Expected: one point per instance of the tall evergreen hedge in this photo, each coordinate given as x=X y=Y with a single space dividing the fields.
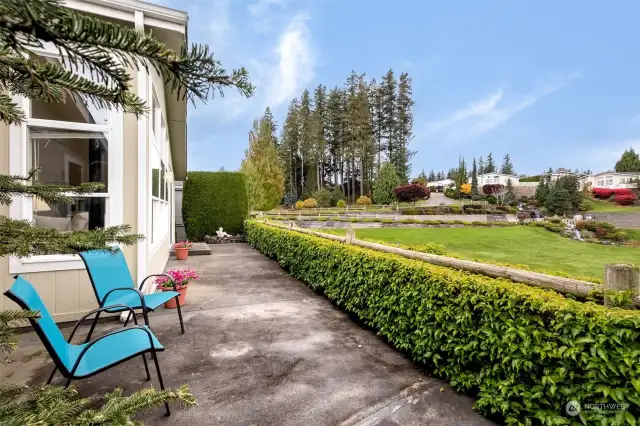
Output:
x=525 y=352
x=211 y=200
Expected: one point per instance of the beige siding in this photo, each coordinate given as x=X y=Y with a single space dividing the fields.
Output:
x=159 y=259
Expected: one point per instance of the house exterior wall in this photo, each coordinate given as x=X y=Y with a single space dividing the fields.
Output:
x=611 y=180
x=496 y=178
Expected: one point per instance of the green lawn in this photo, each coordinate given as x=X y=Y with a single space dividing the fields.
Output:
x=534 y=248
x=604 y=206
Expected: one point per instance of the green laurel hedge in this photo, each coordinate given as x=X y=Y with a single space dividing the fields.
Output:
x=523 y=351
x=211 y=200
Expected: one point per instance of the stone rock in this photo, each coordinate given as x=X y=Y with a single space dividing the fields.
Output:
x=214 y=239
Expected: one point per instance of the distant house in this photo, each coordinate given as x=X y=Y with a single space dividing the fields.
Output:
x=496 y=178
x=613 y=180
x=442 y=183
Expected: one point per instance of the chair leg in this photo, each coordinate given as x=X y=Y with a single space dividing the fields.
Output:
x=93 y=326
x=66 y=385
x=146 y=366
x=53 y=373
x=128 y=318
x=180 y=314
x=155 y=359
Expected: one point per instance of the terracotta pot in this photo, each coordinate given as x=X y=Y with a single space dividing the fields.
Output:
x=171 y=304
x=182 y=253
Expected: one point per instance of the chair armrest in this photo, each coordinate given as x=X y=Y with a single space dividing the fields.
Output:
x=95 y=311
x=159 y=275
x=94 y=341
x=142 y=304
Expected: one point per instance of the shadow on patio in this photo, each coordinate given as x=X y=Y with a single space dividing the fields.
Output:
x=263 y=349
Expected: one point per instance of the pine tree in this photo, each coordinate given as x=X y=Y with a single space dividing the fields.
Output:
x=404 y=122
x=460 y=174
x=307 y=153
x=489 y=166
x=262 y=168
x=377 y=120
x=108 y=51
x=507 y=166
x=474 y=179
x=335 y=132
x=385 y=183
x=481 y=166
x=389 y=98
x=290 y=146
x=558 y=201
x=319 y=120
x=268 y=117
x=510 y=196
x=542 y=192
x=628 y=162
x=432 y=176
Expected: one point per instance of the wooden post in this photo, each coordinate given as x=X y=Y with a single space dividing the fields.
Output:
x=291 y=224
x=620 y=278
x=351 y=236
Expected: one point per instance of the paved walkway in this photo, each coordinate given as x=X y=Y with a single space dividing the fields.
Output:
x=261 y=348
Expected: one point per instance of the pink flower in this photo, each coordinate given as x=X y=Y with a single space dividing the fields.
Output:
x=183 y=244
x=181 y=277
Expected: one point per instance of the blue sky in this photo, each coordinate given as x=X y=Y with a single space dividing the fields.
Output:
x=553 y=83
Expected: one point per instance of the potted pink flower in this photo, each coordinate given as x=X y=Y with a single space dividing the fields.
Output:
x=182 y=249
x=182 y=278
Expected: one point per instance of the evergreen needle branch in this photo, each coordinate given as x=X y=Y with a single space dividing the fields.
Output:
x=50 y=193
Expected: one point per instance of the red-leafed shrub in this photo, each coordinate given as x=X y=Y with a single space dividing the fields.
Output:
x=412 y=193
x=622 y=191
x=625 y=200
x=602 y=192
x=492 y=189
x=600 y=232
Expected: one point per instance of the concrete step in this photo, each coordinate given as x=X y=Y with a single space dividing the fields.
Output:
x=198 y=249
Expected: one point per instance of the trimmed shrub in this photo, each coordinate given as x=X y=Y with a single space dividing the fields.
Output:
x=363 y=200
x=455 y=210
x=585 y=205
x=310 y=203
x=341 y=204
x=323 y=197
x=211 y=200
x=524 y=351
x=336 y=196
x=625 y=200
x=492 y=200
x=290 y=198
x=299 y=205
x=450 y=193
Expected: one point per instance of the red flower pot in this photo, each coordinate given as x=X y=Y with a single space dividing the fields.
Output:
x=182 y=253
x=171 y=304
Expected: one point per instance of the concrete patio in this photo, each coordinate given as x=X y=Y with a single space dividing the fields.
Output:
x=261 y=348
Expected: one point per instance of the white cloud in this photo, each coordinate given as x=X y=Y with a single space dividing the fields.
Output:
x=295 y=64
x=483 y=115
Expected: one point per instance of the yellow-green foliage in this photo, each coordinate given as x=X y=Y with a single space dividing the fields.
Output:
x=363 y=201
x=299 y=205
x=341 y=204
x=523 y=351
x=310 y=203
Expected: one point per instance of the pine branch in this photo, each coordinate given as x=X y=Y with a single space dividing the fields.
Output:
x=20 y=238
x=8 y=321
x=10 y=113
x=50 y=193
x=90 y=43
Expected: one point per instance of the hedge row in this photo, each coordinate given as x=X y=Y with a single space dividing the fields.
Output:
x=524 y=352
x=468 y=209
x=378 y=220
x=211 y=200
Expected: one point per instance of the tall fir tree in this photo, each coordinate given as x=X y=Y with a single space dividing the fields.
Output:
x=319 y=120
x=481 y=166
x=474 y=178
x=385 y=184
x=489 y=165
x=402 y=154
x=108 y=51
x=290 y=146
x=307 y=154
x=432 y=176
x=377 y=120
x=268 y=118
x=507 y=166
x=262 y=168
x=389 y=98
x=335 y=132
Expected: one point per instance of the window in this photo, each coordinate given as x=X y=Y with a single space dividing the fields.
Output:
x=609 y=180
x=160 y=215
x=71 y=143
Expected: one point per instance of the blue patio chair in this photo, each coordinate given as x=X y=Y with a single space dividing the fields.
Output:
x=113 y=285
x=95 y=356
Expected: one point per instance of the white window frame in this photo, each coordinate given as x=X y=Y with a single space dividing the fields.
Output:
x=159 y=141
x=22 y=206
